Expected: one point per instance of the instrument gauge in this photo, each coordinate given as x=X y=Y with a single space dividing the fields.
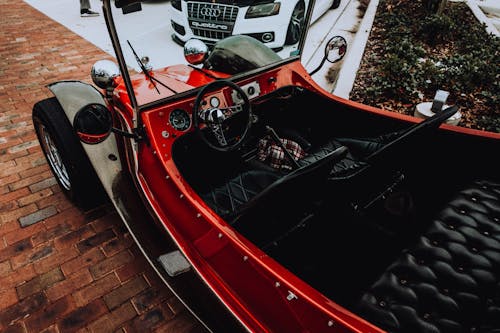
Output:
x=180 y=120
x=214 y=102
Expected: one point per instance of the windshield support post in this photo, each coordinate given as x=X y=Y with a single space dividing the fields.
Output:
x=108 y=16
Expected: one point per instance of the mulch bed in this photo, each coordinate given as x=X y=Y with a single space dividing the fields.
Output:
x=373 y=86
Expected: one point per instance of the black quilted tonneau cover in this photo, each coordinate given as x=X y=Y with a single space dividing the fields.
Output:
x=450 y=280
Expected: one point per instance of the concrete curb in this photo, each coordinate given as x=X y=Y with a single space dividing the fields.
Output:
x=347 y=73
x=475 y=7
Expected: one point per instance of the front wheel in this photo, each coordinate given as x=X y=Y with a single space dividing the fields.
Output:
x=65 y=155
x=296 y=24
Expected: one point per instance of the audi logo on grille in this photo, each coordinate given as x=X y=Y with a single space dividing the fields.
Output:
x=210 y=12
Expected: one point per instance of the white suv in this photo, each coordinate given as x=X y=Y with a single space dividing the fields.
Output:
x=275 y=23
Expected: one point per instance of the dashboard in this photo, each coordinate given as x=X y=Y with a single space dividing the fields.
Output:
x=175 y=119
x=180 y=117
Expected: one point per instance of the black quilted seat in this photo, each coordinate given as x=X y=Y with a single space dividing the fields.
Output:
x=347 y=166
x=258 y=188
x=230 y=196
x=449 y=281
x=381 y=150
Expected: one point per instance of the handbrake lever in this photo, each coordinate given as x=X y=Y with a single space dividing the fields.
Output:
x=278 y=141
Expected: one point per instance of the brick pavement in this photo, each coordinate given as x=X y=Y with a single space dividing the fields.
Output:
x=61 y=270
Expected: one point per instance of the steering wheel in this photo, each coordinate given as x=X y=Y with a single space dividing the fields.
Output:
x=220 y=121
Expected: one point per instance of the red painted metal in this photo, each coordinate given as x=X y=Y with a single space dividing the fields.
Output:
x=252 y=285
x=259 y=291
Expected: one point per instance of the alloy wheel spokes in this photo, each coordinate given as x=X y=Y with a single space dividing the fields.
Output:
x=55 y=159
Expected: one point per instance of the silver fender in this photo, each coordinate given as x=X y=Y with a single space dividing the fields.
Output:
x=73 y=95
x=104 y=156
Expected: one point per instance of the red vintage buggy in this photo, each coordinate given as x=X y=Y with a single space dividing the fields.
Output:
x=269 y=205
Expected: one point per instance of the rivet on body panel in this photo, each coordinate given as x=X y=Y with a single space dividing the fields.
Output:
x=291 y=296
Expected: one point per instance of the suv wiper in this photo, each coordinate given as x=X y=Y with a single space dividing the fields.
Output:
x=152 y=79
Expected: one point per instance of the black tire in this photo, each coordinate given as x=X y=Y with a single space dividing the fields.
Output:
x=335 y=4
x=65 y=155
x=296 y=25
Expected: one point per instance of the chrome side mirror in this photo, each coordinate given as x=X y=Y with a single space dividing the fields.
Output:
x=195 y=51
x=335 y=50
x=103 y=73
x=93 y=123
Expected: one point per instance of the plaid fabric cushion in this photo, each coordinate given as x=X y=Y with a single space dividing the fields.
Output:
x=273 y=154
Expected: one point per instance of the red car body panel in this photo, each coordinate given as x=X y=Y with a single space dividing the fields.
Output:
x=253 y=286
x=243 y=276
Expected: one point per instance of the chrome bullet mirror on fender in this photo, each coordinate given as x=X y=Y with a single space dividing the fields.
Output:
x=195 y=51
x=103 y=73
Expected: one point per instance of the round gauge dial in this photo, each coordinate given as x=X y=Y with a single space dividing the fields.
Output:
x=214 y=102
x=180 y=120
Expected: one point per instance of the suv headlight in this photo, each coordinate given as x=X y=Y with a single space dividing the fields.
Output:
x=267 y=9
x=176 y=4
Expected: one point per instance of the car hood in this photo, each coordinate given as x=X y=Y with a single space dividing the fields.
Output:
x=174 y=79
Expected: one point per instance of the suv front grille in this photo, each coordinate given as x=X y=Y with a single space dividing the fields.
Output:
x=211 y=21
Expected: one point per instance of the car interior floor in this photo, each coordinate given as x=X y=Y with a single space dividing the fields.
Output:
x=341 y=251
x=344 y=239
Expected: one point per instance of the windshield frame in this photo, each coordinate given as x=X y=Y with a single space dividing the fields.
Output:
x=136 y=108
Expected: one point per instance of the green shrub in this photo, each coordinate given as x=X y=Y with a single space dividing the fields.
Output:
x=398 y=78
x=406 y=49
x=417 y=53
x=436 y=29
x=469 y=72
x=432 y=76
x=431 y=5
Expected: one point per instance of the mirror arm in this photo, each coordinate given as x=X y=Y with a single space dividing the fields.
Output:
x=318 y=68
x=203 y=71
x=133 y=135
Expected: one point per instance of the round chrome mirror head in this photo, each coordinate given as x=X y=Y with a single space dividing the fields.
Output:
x=93 y=123
x=195 y=51
x=103 y=72
x=335 y=49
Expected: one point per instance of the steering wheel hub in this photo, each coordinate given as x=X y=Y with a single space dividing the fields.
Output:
x=228 y=123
